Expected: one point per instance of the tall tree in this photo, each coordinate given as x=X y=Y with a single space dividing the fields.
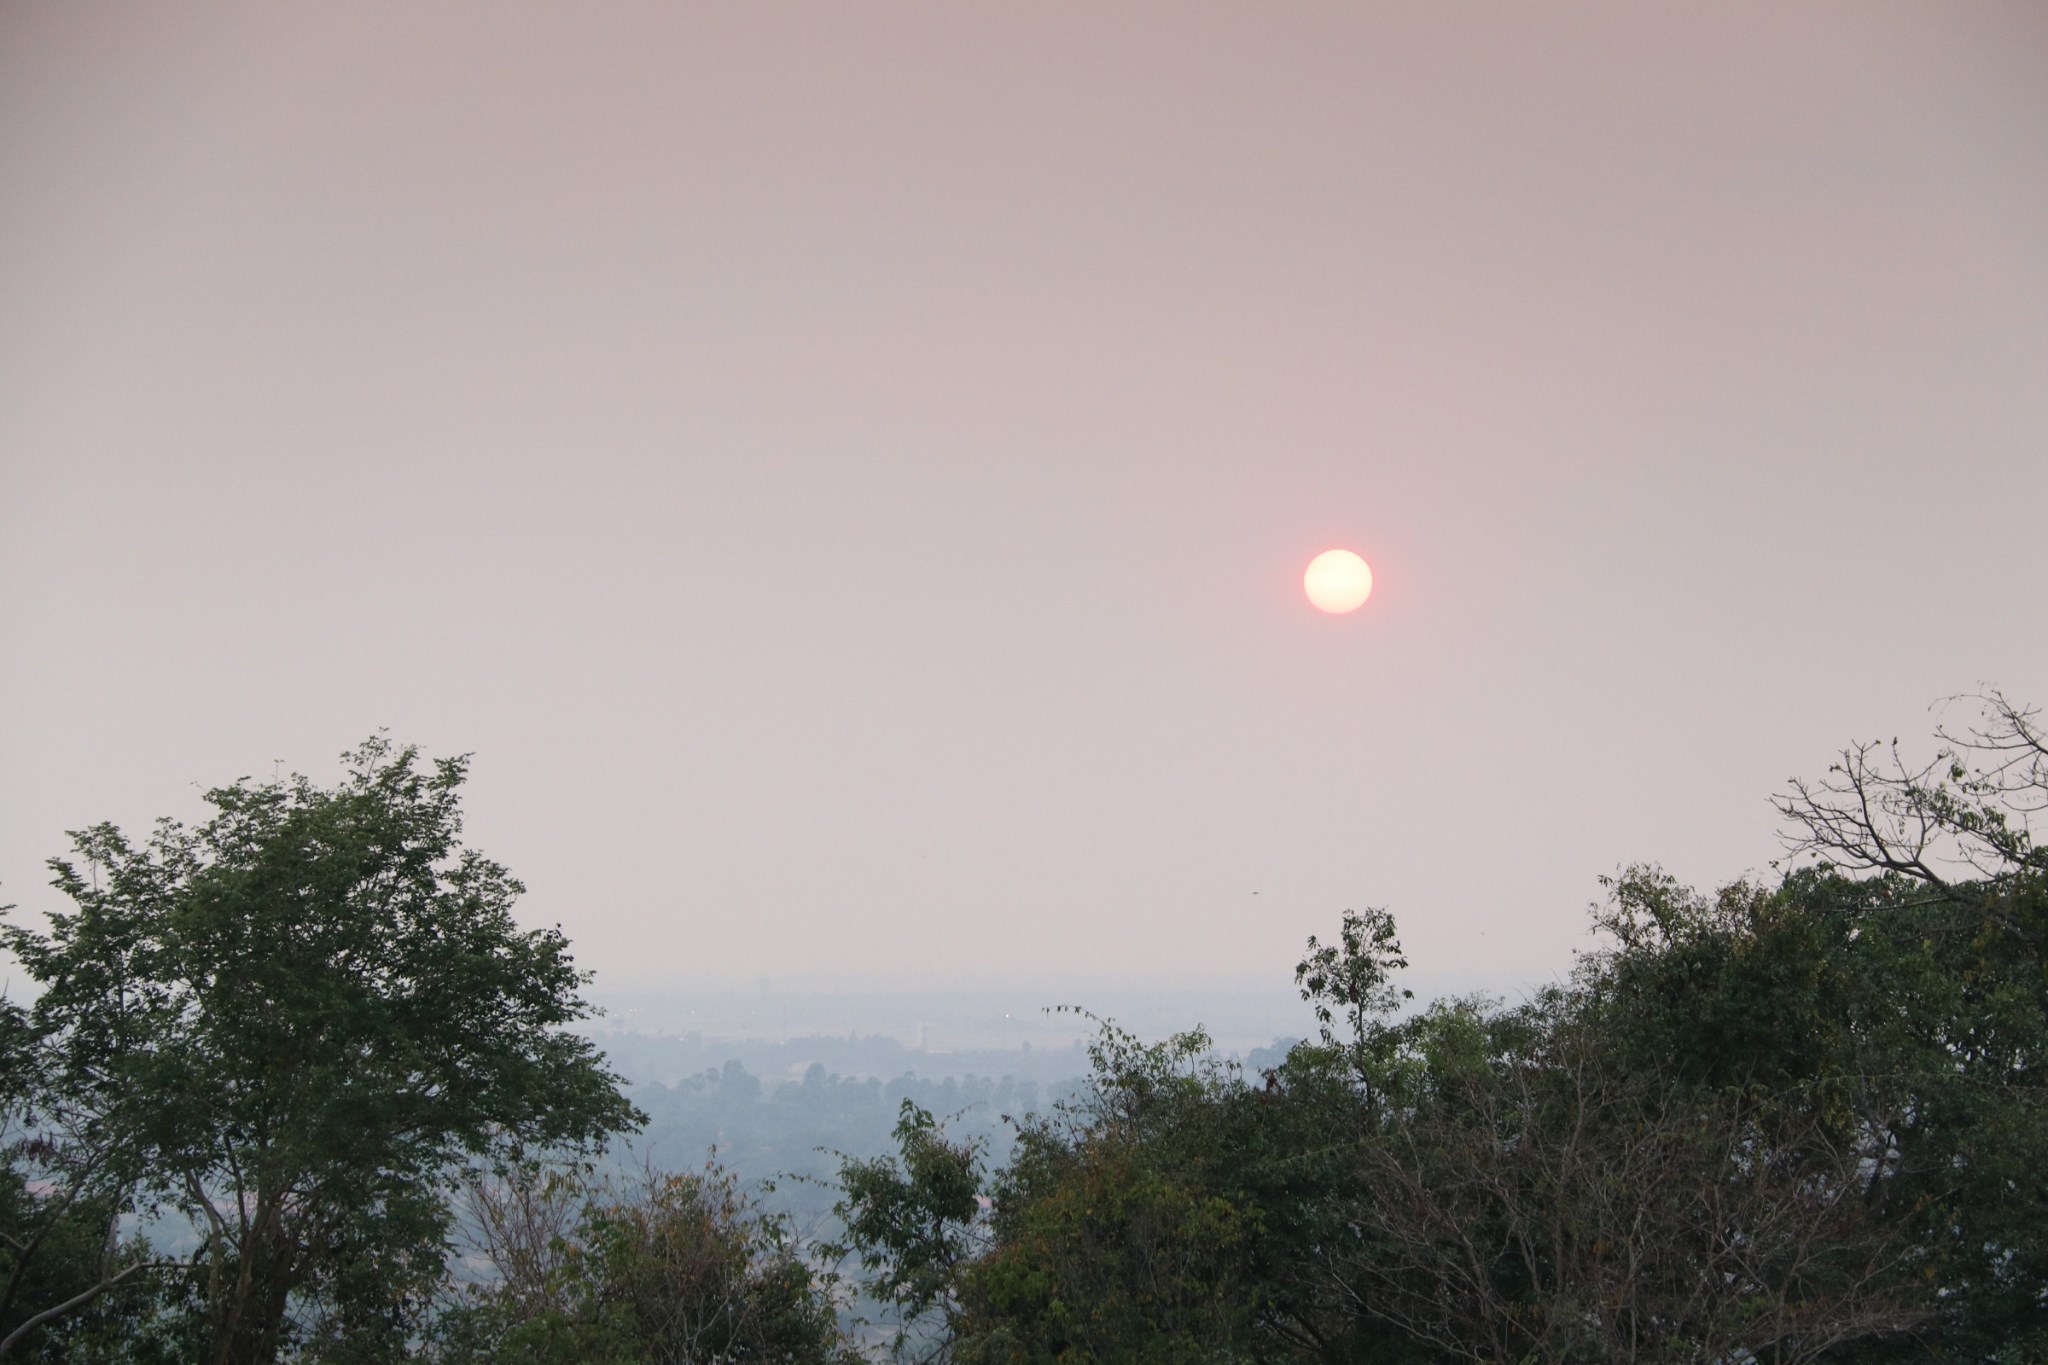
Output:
x=297 y=1022
x=916 y=1224
x=1937 y=923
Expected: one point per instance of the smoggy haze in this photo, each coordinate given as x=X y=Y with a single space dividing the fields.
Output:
x=846 y=471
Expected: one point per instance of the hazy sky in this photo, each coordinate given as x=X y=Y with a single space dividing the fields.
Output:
x=846 y=470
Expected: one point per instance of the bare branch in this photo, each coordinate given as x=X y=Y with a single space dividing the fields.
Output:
x=1959 y=823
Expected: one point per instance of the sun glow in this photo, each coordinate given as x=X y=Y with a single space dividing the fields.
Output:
x=1337 y=581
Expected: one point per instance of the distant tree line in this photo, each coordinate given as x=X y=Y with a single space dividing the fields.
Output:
x=306 y=1051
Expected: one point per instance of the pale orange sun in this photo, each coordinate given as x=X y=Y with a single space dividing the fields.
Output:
x=1337 y=581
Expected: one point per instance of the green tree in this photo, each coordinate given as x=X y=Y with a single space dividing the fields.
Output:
x=1904 y=1025
x=294 y=1023
x=77 y=1289
x=1924 y=917
x=1528 y=1192
x=1175 y=1212
x=72 y=1286
x=665 y=1269
x=915 y=1222
x=1349 y=984
x=1111 y=1241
